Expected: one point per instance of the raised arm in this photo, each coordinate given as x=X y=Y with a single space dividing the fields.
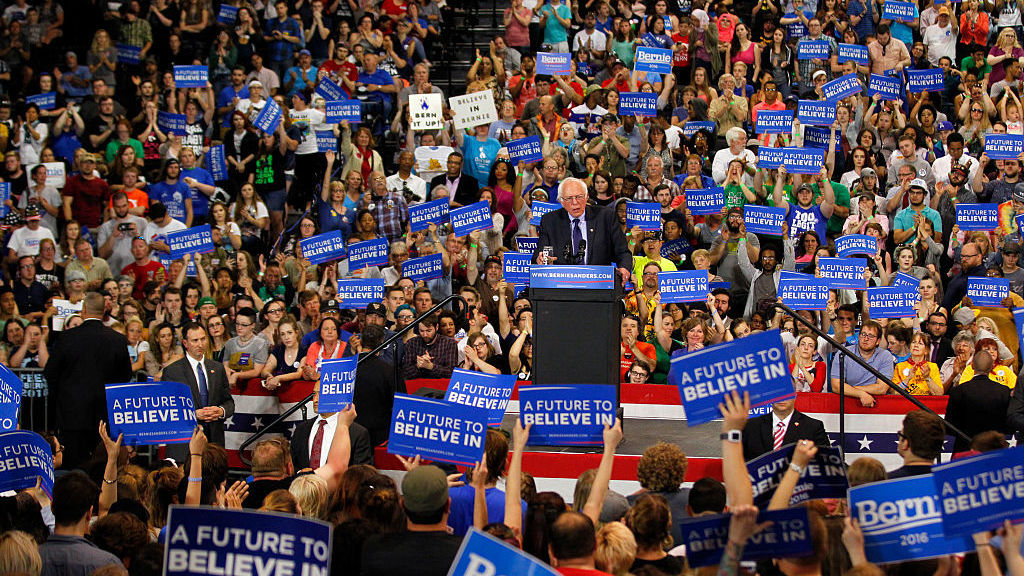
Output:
x=598 y=491
x=341 y=450
x=514 y=479
x=802 y=455
x=108 y=492
x=734 y=471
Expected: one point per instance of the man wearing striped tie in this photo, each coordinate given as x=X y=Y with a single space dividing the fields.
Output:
x=783 y=425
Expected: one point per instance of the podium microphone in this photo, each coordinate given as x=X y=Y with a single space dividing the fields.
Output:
x=567 y=254
x=581 y=255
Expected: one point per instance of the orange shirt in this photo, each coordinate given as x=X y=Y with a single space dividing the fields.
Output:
x=627 y=358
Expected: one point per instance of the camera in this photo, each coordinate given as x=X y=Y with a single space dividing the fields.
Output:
x=124 y=227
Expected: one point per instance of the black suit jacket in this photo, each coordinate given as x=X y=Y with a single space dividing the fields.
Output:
x=359 y=438
x=606 y=244
x=759 y=438
x=374 y=395
x=974 y=407
x=218 y=394
x=466 y=193
x=944 y=352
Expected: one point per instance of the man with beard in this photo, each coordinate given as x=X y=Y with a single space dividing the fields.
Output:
x=956 y=157
x=1000 y=189
x=116 y=234
x=941 y=345
x=860 y=383
x=642 y=302
x=488 y=287
x=948 y=195
x=725 y=248
x=908 y=220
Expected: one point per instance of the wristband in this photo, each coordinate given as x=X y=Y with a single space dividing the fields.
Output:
x=796 y=468
x=191 y=479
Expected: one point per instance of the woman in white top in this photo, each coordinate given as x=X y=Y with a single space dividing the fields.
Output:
x=251 y=215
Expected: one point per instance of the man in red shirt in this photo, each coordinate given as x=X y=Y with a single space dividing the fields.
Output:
x=86 y=194
x=619 y=78
x=144 y=269
x=772 y=101
x=522 y=86
x=340 y=70
x=632 y=349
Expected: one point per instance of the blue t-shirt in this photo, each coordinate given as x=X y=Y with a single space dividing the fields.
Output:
x=881 y=360
x=479 y=156
x=460 y=518
x=331 y=220
x=379 y=77
x=200 y=201
x=905 y=220
x=225 y=97
x=803 y=219
x=300 y=83
x=173 y=196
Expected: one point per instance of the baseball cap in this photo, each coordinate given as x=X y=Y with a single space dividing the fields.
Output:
x=32 y=212
x=492 y=260
x=172 y=161
x=13 y=219
x=1011 y=247
x=87 y=158
x=206 y=300
x=944 y=10
x=865 y=172
x=591 y=89
x=304 y=52
x=919 y=183
x=609 y=117
x=959 y=169
x=1018 y=192
x=964 y=316
x=72 y=275
x=330 y=305
x=376 y=308
x=944 y=125
x=424 y=489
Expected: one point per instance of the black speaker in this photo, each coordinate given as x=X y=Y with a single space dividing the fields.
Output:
x=576 y=336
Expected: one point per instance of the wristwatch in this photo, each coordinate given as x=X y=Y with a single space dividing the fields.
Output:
x=734 y=436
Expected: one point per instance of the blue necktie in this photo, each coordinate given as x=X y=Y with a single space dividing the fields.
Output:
x=577 y=236
x=204 y=391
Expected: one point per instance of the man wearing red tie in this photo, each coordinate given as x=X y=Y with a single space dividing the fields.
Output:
x=783 y=425
x=312 y=440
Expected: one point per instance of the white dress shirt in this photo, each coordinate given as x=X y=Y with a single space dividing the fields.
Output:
x=776 y=420
x=583 y=229
x=329 y=429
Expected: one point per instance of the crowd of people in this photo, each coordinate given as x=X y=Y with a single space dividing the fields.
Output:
x=96 y=181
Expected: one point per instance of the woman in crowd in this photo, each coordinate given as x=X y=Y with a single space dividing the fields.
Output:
x=284 y=364
x=696 y=334
x=505 y=184
x=138 y=348
x=251 y=215
x=481 y=357
x=164 y=350
x=809 y=374
x=327 y=347
x=218 y=336
x=32 y=352
x=241 y=146
x=918 y=375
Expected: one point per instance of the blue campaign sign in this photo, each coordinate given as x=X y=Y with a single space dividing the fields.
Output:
x=516 y=267
x=985 y=291
x=526 y=244
x=819 y=137
x=227 y=14
x=582 y=277
x=269 y=117
x=421 y=216
x=843 y=272
x=764 y=219
x=358 y=293
x=691 y=127
x=706 y=200
x=170 y=123
x=10 y=398
x=649 y=59
x=1003 y=146
x=770 y=157
x=482 y=553
x=646 y=215
x=984 y=217
x=928 y=80
x=787 y=535
x=824 y=476
x=712 y=286
x=1018 y=321
x=893 y=301
x=368 y=253
x=979 y=492
x=901 y=520
x=774 y=122
x=217 y=163
x=567 y=415
x=803 y=160
x=476 y=216
x=890 y=88
x=424 y=268
x=25 y=456
x=205 y=541
x=150 y=413
x=551 y=63
x=45 y=101
x=323 y=248
x=841 y=87
x=816 y=112
x=813 y=50
x=675 y=248
x=803 y=291
x=190 y=76
x=851 y=244
x=490 y=392
x=326 y=141
x=337 y=382
x=330 y=90
x=338 y=110
x=901 y=279
x=437 y=430
x=683 y=286
x=539 y=208
x=525 y=150
x=195 y=240
x=899 y=11
x=756 y=366
x=642 y=103
x=853 y=53
x=127 y=54
x=5 y=195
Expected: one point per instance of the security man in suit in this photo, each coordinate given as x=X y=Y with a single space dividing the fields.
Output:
x=462 y=188
x=211 y=392
x=783 y=425
x=312 y=439
x=582 y=234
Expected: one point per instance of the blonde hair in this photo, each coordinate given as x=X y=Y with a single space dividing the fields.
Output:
x=616 y=549
x=311 y=494
x=19 y=554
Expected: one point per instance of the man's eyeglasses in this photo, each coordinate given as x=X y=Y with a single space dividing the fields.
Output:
x=868 y=336
x=637 y=374
x=276 y=311
x=241 y=325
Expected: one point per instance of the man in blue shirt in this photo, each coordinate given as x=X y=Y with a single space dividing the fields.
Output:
x=228 y=98
x=378 y=83
x=200 y=185
x=860 y=383
x=300 y=77
x=283 y=35
x=173 y=193
x=905 y=225
x=74 y=82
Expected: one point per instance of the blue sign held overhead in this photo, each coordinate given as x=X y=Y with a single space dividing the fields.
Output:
x=901 y=520
x=490 y=392
x=819 y=137
x=851 y=244
x=764 y=219
x=337 y=383
x=526 y=244
x=853 y=53
x=437 y=430
x=551 y=63
x=567 y=415
x=467 y=219
x=127 y=54
x=984 y=217
x=217 y=163
x=150 y=413
x=691 y=127
x=901 y=279
x=899 y=11
x=788 y=535
x=984 y=291
x=368 y=253
x=770 y=157
x=358 y=293
x=191 y=76
x=516 y=267
x=326 y=141
x=330 y=90
x=803 y=291
x=1003 y=146
x=774 y=122
x=170 y=123
x=195 y=240
x=893 y=301
x=673 y=249
x=421 y=216
x=339 y=110
x=757 y=366
x=705 y=200
x=424 y=268
x=843 y=273
x=842 y=87
x=1018 y=321
x=977 y=493
x=813 y=50
x=227 y=14
x=539 y=209
x=824 y=476
x=580 y=277
x=45 y=101
x=889 y=88
x=205 y=541
x=10 y=398
x=323 y=248
x=482 y=554
x=803 y=160
x=525 y=150
x=642 y=103
x=658 y=60
x=683 y=286
x=816 y=112
x=5 y=195
x=646 y=215
x=26 y=457
x=269 y=117
x=928 y=80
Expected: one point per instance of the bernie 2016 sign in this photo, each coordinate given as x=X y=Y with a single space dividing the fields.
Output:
x=567 y=415
x=551 y=63
x=437 y=430
x=658 y=60
x=151 y=412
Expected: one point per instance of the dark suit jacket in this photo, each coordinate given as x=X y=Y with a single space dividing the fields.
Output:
x=219 y=394
x=466 y=193
x=974 y=407
x=374 y=396
x=1015 y=412
x=606 y=244
x=945 y=350
x=359 y=437
x=759 y=439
